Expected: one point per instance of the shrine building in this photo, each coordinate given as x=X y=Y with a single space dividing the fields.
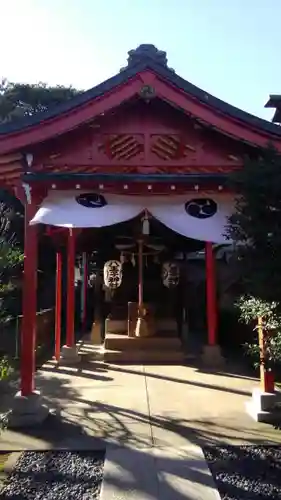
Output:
x=134 y=170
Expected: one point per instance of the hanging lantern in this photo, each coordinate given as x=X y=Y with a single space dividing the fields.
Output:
x=112 y=274
x=170 y=274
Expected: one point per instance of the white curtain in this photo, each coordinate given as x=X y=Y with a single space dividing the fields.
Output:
x=173 y=214
x=61 y=208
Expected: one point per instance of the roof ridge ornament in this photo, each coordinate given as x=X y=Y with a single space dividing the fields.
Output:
x=144 y=52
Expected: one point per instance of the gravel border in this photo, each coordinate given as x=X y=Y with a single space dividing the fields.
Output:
x=55 y=475
x=246 y=472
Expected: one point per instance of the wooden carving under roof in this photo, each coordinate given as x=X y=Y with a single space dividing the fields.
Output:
x=140 y=139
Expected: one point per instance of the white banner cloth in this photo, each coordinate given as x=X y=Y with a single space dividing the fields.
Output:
x=60 y=208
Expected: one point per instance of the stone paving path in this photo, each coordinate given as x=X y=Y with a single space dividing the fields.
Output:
x=153 y=421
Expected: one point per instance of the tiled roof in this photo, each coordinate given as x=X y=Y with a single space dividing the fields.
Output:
x=143 y=60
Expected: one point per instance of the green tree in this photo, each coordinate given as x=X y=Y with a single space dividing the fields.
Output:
x=256 y=228
x=11 y=258
x=256 y=225
x=250 y=310
x=18 y=100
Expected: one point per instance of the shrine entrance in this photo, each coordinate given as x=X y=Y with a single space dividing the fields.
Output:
x=145 y=142
x=141 y=289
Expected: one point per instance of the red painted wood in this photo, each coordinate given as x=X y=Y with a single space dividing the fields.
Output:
x=210 y=163
x=211 y=294
x=67 y=121
x=53 y=230
x=109 y=150
x=269 y=382
x=70 y=304
x=164 y=90
x=58 y=305
x=29 y=304
x=210 y=115
x=140 y=188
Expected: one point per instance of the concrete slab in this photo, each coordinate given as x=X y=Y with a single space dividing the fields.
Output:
x=142 y=407
x=191 y=393
x=113 y=431
x=236 y=429
x=184 y=474
x=19 y=441
x=157 y=474
x=129 y=474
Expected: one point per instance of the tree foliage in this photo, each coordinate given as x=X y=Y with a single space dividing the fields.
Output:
x=250 y=310
x=256 y=225
x=256 y=228
x=11 y=258
x=18 y=100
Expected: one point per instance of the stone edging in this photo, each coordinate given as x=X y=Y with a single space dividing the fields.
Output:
x=8 y=466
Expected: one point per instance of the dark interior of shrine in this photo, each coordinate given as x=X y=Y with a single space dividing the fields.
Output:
x=120 y=242
x=106 y=239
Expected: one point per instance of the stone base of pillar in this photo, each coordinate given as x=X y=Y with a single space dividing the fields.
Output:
x=26 y=411
x=69 y=355
x=212 y=356
x=264 y=406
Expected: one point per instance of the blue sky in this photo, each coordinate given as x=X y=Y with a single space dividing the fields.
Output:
x=230 y=48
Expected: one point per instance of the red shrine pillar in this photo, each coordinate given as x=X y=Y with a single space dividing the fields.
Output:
x=212 y=353
x=29 y=304
x=27 y=408
x=69 y=351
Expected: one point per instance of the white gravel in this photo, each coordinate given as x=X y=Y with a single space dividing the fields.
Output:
x=55 y=475
x=246 y=472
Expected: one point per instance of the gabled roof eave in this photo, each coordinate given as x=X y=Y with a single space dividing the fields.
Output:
x=164 y=73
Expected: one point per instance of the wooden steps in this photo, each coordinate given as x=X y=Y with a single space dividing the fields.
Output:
x=120 y=348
